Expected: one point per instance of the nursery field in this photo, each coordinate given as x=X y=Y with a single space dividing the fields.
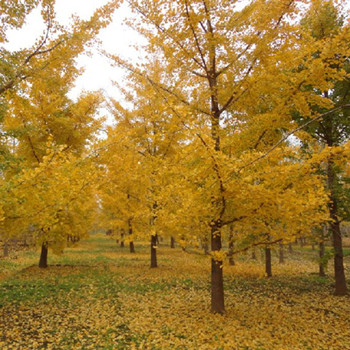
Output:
x=99 y=296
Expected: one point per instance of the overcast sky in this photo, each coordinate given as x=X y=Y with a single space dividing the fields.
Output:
x=116 y=38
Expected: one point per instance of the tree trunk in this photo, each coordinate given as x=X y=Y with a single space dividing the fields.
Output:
x=122 y=240
x=281 y=253
x=322 y=272
x=6 y=249
x=219 y=206
x=290 y=248
x=268 y=264
x=231 y=261
x=206 y=249
x=43 y=256
x=217 y=281
x=339 y=274
x=205 y=246
x=154 y=251
x=172 y=242
x=131 y=243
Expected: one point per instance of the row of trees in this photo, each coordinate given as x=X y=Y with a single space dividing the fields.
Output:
x=205 y=150
x=235 y=127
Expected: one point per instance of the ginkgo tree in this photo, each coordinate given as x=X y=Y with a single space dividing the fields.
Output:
x=54 y=201
x=322 y=22
x=122 y=188
x=138 y=151
x=231 y=74
x=39 y=113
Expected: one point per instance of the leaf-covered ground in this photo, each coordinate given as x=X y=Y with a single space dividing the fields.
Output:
x=98 y=296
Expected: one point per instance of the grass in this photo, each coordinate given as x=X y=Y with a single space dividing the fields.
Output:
x=99 y=296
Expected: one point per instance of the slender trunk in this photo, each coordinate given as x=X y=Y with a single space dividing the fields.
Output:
x=131 y=242
x=231 y=248
x=6 y=249
x=313 y=246
x=172 y=242
x=122 y=233
x=217 y=281
x=43 y=256
x=268 y=264
x=205 y=246
x=290 y=248
x=154 y=251
x=339 y=274
x=219 y=203
x=322 y=264
x=206 y=249
x=281 y=253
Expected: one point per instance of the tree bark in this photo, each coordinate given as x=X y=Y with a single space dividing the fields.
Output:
x=339 y=274
x=122 y=240
x=6 y=249
x=217 y=281
x=154 y=251
x=290 y=248
x=322 y=272
x=43 y=256
x=231 y=261
x=131 y=243
x=172 y=242
x=268 y=263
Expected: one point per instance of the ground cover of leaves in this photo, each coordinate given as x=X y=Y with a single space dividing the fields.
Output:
x=98 y=296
